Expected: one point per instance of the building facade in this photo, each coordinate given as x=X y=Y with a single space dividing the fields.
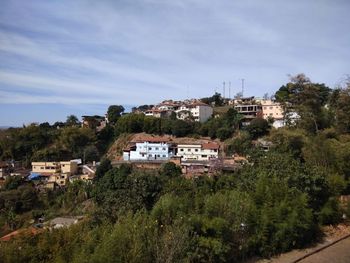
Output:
x=199 y=152
x=148 y=149
x=199 y=111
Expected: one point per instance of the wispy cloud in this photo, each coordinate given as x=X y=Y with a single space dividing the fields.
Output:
x=133 y=52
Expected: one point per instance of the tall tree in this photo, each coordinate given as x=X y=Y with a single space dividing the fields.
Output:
x=72 y=120
x=305 y=98
x=114 y=112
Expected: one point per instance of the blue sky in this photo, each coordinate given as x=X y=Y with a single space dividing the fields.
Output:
x=77 y=57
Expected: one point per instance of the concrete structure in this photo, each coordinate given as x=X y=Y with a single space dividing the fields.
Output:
x=70 y=167
x=200 y=152
x=249 y=112
x=46 y=167
x=60 y=179
x=197 y=110
x=272 y=109
x=152 y=148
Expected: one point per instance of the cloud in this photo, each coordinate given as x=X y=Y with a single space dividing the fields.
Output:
x=143 y=51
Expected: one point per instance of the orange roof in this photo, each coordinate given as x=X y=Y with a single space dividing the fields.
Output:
x=152 y=139
x=210 y=146
x=31 y=230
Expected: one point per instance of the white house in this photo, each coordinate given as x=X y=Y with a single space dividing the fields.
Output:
x=200 y=152
x=152 y=148
x=198 y=110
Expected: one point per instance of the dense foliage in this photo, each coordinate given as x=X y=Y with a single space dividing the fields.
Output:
x=277 y=202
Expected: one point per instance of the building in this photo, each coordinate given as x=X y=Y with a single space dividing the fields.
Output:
x=200 y=152
x=70 y=167
x=249 y=112
x=46 y=167
x=196 y=110
x=152 y=148
x=60 y=179
x=53 y=173
x=272 y=109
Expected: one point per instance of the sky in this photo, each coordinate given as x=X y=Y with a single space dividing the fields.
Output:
x=77 y=57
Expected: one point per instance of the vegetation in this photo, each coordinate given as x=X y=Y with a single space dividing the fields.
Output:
x=275 y=203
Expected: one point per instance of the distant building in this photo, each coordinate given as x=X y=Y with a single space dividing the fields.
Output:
x=200 y=152
x=53 y=173
x=152 y=148
x=197 y=110
x=70 y=167
x=273 y=109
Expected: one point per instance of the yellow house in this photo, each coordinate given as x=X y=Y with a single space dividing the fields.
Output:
x=46 y=167
x=69 y=167
x=59 y=179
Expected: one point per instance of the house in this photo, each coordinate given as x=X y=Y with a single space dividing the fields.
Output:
x=151 y=148
x=272 y=109
x=53 y=173
x=70 y=167
x=46 y=167
x=200 y=152
x=249 y=111
x=195 y=110
x=60 y=179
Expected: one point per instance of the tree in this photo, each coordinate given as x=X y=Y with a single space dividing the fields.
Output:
x=258 y=127
x=216 y=99
x=170 y=170
x=114 y=112
x=340 y=104
x=305 y=98
x=72 y=120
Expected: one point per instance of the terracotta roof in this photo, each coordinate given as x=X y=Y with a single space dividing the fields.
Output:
x=151 y=139
x=31 y=230
x=211 y=146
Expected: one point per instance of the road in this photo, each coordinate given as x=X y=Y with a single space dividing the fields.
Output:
x=337 y=253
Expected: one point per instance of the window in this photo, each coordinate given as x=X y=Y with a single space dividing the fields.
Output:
x=188 y=150
x=271 y=108
x=196 y=150
x=204 y=156
x=215 y=150
x=181 y=150
x=164 y=155
x=150 y=148
x=150 y=155
x=164 y=148
x=157 y=148
x=158 y=155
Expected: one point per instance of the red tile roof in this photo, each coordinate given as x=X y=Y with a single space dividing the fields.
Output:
x=211 y=146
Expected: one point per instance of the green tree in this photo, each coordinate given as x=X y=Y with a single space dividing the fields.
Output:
x=114 y=112
x=72 y=120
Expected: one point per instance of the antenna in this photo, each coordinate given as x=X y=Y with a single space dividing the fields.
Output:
x=242 y=86
x=223 y=94
x=188 y=92
x=229 y=90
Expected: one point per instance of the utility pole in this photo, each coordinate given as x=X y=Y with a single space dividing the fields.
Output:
x=223 y=88
x=229 y=90
x=242 y=86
